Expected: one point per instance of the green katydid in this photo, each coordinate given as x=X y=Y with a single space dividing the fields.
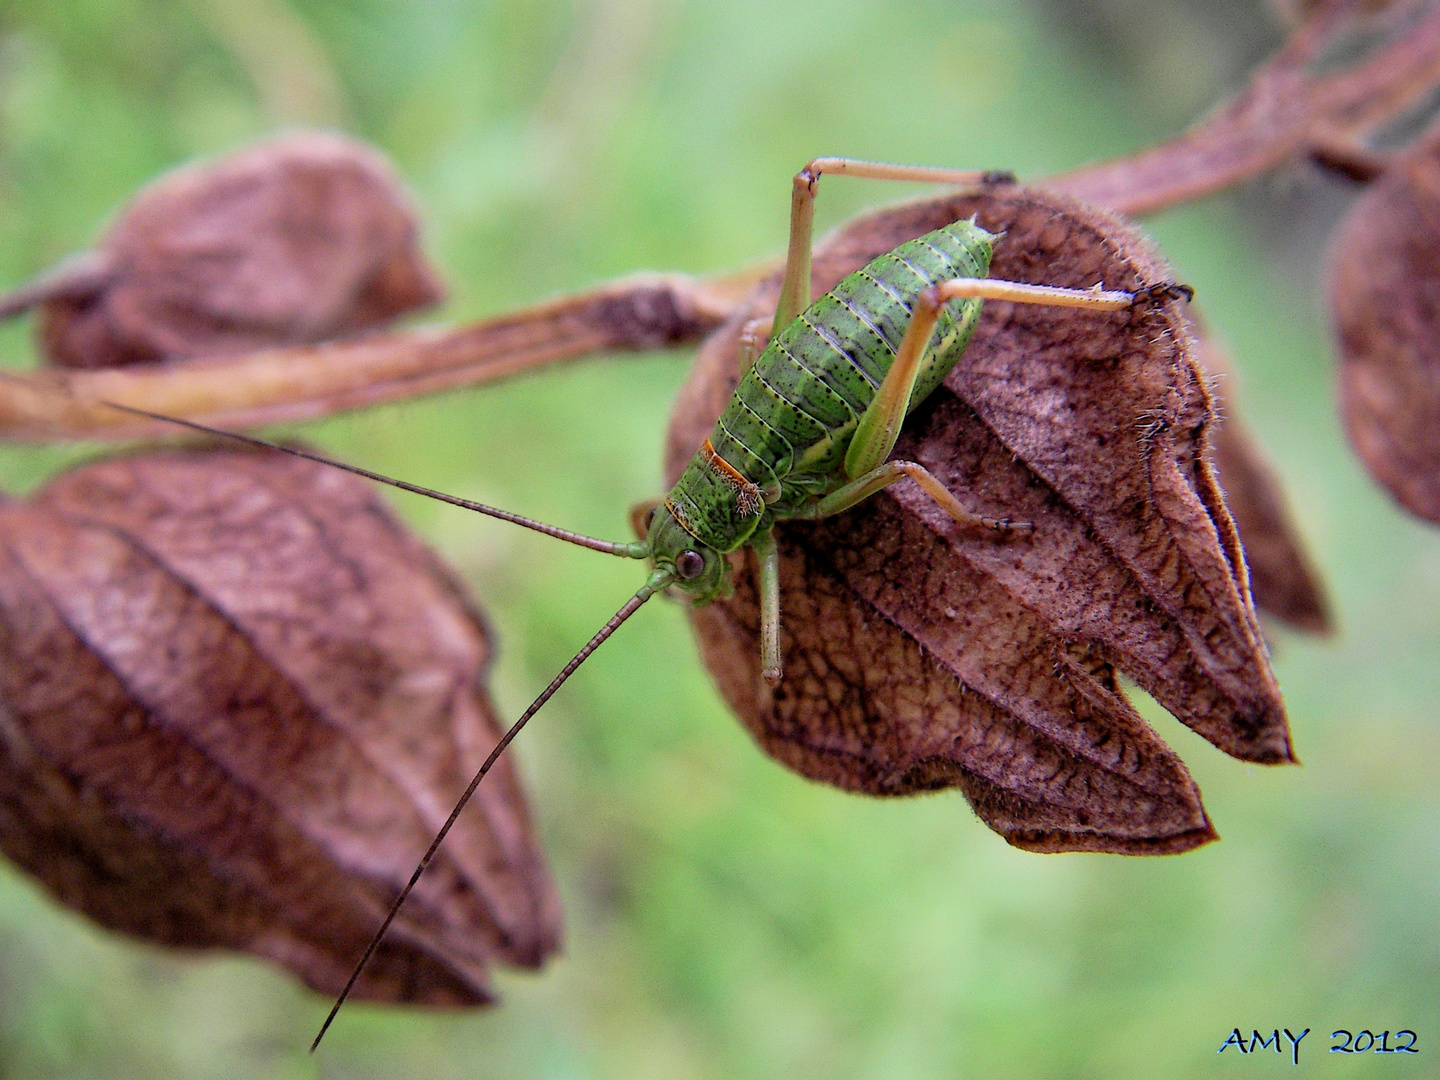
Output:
x=808 y=431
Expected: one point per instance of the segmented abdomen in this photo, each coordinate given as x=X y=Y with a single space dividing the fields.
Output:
x=785 y=431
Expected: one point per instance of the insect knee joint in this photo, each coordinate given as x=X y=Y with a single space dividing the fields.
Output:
x=1160 y=291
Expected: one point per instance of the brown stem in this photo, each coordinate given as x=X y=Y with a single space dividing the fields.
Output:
x=639 y=313
x=1285 y=112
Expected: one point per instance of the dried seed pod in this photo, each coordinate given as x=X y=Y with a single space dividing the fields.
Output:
x=298 y=239
x=1385 y=293
x=238 y=700
x=918 y=656
x=1291 y=13
x=1283 y=578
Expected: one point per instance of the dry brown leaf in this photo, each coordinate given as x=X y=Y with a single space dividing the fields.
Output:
x=1293 y=12
x=238 y=701
x=1385 y=293
x=919 y=657
x=1341 y=75
x=298 y=239
x=1283 y=578
x=1298 y=103
x=1294 y=107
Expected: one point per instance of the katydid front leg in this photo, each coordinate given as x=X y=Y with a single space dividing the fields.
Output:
x=769 y=558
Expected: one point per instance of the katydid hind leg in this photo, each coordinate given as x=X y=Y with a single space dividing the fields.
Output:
x=795 y=287
x=879 y=427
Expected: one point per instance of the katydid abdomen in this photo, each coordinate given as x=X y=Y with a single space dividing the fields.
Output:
x=782 y=439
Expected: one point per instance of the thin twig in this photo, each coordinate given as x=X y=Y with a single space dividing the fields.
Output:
x=640 y=313
x=1282 y=114
x=1285 y=112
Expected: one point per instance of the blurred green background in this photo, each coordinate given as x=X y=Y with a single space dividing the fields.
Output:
x=725 y=918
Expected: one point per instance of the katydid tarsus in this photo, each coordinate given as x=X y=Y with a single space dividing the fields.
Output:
x=808 y=431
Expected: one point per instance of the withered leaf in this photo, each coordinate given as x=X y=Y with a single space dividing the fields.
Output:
x=1385 y=293
x=918 y=656
x=1293 y=12
x=238 y=701
x=299 y=239
x=1283 y=578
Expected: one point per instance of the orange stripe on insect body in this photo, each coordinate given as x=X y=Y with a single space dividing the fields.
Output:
x=750 y=499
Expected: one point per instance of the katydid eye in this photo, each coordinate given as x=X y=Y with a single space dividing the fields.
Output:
x=690 y=564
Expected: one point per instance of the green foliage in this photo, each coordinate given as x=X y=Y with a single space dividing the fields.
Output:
x=727 y=919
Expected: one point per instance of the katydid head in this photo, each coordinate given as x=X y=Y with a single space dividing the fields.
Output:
x=701 y=572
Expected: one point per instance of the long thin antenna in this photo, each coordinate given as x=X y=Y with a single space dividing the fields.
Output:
x=637 y=550
x=659 y=579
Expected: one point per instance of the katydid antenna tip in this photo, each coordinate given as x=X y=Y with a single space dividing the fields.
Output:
x=658 y=580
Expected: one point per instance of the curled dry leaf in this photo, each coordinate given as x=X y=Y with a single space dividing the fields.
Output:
x=238 y=700
x=1293 y=12
x=1283 y=578
x=919 y=657
x=1337 y=79
x=1385 y=295
x=1299 y=103
x=299 y=239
